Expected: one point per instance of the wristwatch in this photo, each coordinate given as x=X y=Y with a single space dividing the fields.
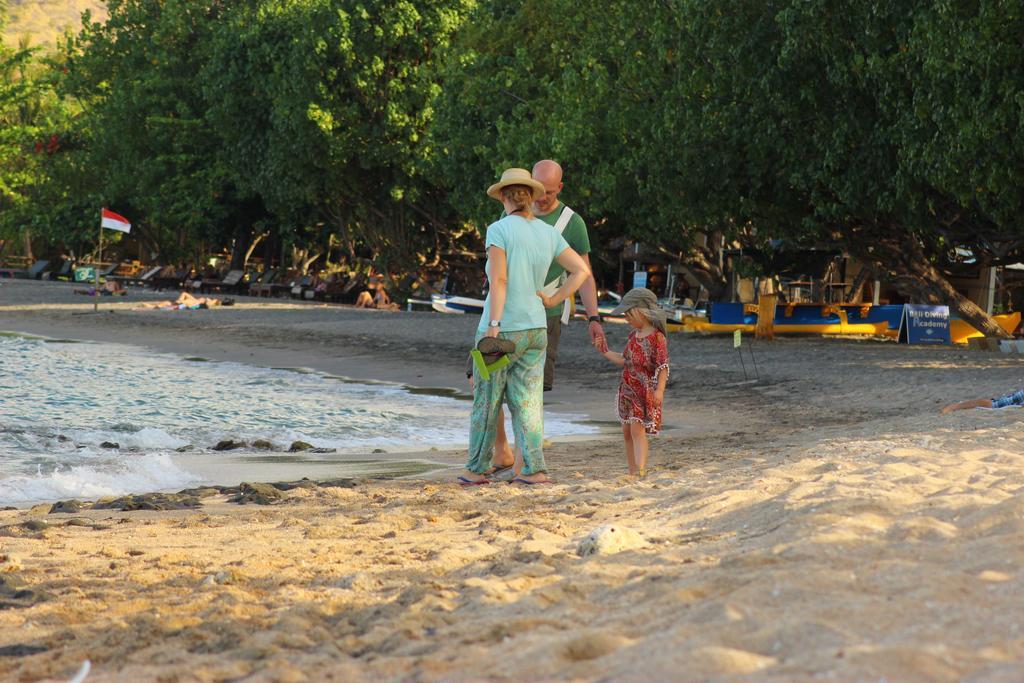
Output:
x=494 y=323
x=595 y=318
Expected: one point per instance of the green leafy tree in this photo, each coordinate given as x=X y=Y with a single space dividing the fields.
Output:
x=146 y=147
x=322 y=107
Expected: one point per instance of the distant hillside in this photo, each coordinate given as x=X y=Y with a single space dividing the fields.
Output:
x=45 y=20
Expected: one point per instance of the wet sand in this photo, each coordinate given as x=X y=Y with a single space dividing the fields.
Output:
x=824 y=523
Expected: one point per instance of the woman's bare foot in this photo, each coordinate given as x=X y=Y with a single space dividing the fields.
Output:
x=471 y=477
x=536 y=478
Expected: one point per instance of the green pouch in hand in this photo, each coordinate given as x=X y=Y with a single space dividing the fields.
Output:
x=491 y=355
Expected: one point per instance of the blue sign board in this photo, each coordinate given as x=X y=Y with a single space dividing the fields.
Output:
x=922 y=324
x=640 y=279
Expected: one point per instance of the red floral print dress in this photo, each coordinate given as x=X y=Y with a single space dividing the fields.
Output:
x=645 y=357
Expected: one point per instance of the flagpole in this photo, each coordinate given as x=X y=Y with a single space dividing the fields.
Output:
x=96 y=296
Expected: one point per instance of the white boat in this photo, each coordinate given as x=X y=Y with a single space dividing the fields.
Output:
x=446 y=303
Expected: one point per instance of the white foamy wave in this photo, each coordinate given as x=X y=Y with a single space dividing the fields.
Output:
x=149 y=438
x=145 y=439
x=87 y=482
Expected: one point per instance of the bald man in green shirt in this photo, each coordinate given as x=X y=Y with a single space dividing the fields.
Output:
x=556 y=214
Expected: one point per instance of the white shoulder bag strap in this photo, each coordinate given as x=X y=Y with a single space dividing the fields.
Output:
x=552 y=287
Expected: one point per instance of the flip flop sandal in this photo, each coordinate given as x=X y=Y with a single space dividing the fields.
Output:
x=463 y=481
x=497 y=470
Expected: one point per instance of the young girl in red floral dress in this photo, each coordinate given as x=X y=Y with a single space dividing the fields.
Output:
x=644 y=364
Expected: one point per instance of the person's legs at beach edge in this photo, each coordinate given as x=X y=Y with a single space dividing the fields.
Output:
x=525 y=397
x=487 y=399
x=627 y=437
x=1014 y=399
x=551 y=355
x=639 y=435
x=967 y=405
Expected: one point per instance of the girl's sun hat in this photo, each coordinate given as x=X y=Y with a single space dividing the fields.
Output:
x=646 y=302
x=516 y=176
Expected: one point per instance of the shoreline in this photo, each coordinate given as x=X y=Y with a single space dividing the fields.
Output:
x=237 y=466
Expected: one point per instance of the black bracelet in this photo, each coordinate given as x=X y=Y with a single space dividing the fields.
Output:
x=595 y=319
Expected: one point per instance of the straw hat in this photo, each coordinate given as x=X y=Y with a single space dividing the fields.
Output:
x=516 y=176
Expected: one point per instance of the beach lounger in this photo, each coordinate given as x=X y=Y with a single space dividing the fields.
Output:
x=299 y=287
x=283 y=283
x=35 y=271
x=261 y=287
x=66 y=272
x=229 y=283
x=139 y=278
x=170 y=278
x=109 y=271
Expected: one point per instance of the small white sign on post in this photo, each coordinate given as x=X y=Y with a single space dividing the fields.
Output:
x=737 y=339
x=640 y=279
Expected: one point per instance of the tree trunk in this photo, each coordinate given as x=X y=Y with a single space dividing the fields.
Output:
x=917 y=277
x=307 y=262
x=28 y=246
x=857 y=290
x=933 y=287
x=252 y=247
x=702 y=264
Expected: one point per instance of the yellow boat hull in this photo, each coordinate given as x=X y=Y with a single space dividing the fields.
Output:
x=959 y=330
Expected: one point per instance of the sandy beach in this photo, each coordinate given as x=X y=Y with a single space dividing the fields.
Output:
x=823 y=523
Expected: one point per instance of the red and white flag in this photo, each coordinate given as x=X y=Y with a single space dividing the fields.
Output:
x=109 y=219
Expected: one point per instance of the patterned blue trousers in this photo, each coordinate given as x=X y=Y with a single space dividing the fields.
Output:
x=520 y=384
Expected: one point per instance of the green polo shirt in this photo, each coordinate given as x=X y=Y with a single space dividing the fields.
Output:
x=575 y=234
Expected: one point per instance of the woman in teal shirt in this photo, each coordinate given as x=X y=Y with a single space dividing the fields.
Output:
x=520 y=248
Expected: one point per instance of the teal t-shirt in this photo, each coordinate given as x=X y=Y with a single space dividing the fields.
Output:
x=530 y=247
x=575 y=234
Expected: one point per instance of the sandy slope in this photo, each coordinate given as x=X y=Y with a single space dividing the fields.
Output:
x=824 y=524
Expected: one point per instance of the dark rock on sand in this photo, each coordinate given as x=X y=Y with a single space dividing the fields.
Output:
x=303 y=483
x=263 y=445
x=228 y=445
x=202 y=491
x=323 y=450
x=150 y=501
x=21 y=650
x=70 y=506
x=79 y=521
x=15 y=593
x=35 y=525
x=378 y=450
x=338 y=484
x=258 y=494
x=299 y=446
x=185 y=449
x=110 y=444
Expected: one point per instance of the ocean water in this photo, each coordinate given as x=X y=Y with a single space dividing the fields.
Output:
x=63 y=404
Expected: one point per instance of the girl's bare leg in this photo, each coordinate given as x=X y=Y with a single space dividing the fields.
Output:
x=627 y=436
x=639 y=437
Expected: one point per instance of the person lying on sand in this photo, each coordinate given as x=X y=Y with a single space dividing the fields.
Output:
x=109 y=288
x=1014 y=399
x=186 y=301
